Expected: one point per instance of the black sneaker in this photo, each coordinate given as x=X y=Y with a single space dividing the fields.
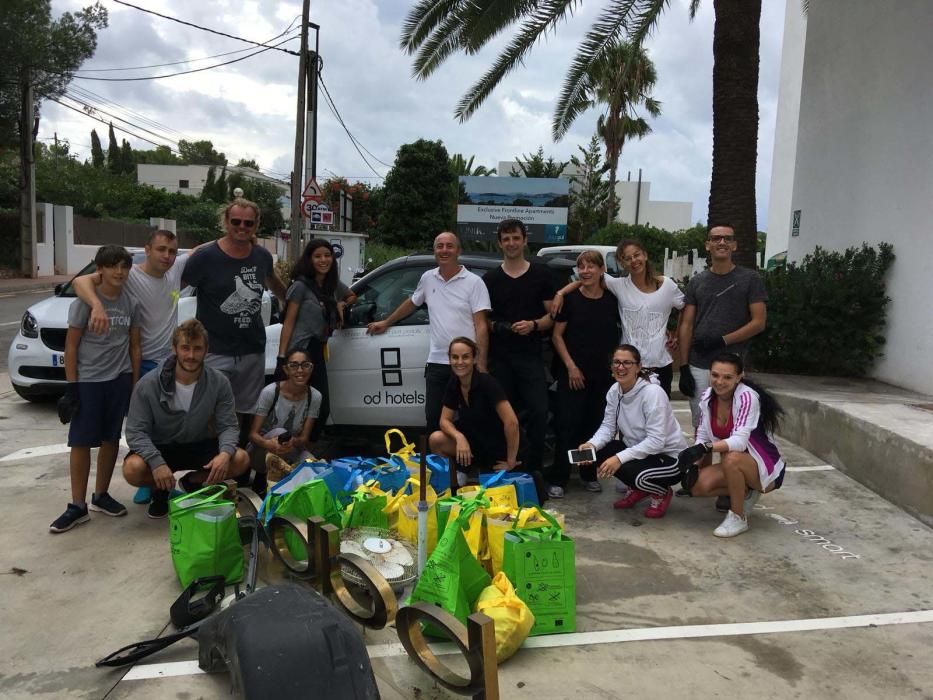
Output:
x=723 y=504
x=158 y=506
x=106 y=504
x=73 y=515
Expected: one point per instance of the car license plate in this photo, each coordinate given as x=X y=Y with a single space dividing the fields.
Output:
x=58 y=360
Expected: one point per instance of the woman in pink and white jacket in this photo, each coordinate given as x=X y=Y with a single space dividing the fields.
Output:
x=737 y=420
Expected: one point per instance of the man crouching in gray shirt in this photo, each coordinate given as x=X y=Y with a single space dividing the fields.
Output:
x=182 y=417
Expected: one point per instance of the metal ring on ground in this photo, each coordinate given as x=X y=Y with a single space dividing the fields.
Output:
x=384 y=603
x=277 y=527
x=247 y=502
x=408 y=625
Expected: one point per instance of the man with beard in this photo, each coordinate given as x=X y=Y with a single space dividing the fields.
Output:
x=182 y=417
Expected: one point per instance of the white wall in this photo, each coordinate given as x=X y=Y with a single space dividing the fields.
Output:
x=45 y=242
x=168 y=177
x=671 y=216
x=785 y=129
x=864 y=165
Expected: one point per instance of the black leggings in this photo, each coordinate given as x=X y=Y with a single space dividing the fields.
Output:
x=319 y=382
x=654 y=474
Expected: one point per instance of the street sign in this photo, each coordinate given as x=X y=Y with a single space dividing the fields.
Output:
x=317 y=212
x=313 y=190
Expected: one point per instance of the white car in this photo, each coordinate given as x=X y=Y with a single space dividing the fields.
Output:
x=36 y=359
x=570 y=252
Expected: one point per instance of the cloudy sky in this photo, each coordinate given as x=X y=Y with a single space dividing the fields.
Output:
x=248 y=108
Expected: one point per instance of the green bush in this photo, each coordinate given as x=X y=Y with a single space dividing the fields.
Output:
x=378 y=253
x=654 y=239
x=826 y=316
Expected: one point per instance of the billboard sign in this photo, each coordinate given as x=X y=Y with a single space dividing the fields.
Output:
x=541 y=203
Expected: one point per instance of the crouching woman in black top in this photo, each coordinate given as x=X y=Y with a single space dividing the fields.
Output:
x=479 y=428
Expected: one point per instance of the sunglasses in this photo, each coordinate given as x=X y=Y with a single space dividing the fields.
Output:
x=720 y=239
x=248 y=223
x=300 y=365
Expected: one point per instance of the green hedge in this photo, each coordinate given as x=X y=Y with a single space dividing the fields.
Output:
x=826 y=316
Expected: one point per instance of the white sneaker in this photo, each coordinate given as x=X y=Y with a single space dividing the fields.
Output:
x=555 y=492
x=751 y=498
x=593 y=486
x=731 y=526
x=462 y=478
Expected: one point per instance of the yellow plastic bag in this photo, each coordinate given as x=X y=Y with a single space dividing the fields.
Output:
x=499 y=496
x=408 y=513
x=513 y=620
x=475 y=532
x=499 y=521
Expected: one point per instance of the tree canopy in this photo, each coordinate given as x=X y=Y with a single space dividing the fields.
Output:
x=536 y=165
x=44 y=51
x=200 y=153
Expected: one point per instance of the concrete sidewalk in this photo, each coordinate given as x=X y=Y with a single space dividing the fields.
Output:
x=10 y=285
x=822 y=552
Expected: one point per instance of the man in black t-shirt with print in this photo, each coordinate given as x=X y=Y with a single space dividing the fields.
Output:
x=520 y=294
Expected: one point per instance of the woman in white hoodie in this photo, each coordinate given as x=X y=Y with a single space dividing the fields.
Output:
x=639 y=410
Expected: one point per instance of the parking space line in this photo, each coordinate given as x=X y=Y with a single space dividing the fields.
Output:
x=812 y=468
x=43 y=451
x=640 y=634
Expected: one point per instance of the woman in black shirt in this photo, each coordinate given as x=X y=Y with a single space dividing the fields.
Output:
x=585 y=334
x=479 y=429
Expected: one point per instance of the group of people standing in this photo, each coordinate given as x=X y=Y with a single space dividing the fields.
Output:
x=196 y=402
x=193 y=393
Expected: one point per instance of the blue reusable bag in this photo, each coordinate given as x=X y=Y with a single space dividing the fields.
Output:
x=440 y=472
x=325 y=472
x=524 y=485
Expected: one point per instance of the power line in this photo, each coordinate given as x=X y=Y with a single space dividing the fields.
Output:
x=184 y=72
x=116 y=128
x=353 y=138
x=94 y=97
x=179 y=63
x=198 y=26
x=333 y=109
x=114 y=116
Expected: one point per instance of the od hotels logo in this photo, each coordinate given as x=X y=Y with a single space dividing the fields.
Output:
x=384 y=398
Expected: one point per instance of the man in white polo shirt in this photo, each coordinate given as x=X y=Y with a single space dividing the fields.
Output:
x=457 y=304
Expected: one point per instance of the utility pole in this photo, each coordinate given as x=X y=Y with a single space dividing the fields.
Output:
x=294 y=241
x=27 y=179
x=314 y=64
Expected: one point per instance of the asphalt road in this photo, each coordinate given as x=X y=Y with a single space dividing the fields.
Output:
x=12 y=307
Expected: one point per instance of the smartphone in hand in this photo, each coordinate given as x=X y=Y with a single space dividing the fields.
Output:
x=581 y=456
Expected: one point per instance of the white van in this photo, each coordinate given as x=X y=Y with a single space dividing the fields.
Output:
x=570 y=252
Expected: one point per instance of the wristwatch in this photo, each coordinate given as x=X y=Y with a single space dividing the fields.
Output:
x=708 y=446
x=534 y=324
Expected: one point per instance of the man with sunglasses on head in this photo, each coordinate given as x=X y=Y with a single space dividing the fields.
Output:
x=725 y=308
x=230 y=275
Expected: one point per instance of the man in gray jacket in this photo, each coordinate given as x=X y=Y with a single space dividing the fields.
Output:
x=182 y=417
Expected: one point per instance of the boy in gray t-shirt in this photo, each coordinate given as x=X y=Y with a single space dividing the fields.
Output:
x=101 y=371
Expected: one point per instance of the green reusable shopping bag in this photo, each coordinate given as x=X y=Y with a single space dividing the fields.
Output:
x=366 y=509
x=540 y=563
x=204 y=536
x=452 y=578
x=301 y=496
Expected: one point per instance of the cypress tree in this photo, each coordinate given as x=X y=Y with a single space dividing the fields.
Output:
x=113 y=153
x=97 y=153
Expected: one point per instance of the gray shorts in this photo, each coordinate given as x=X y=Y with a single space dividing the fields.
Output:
x=247 y=375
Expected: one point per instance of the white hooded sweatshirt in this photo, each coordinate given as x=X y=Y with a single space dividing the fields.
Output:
x=644 y=417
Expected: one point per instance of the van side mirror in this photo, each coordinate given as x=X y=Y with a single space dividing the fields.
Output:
x=58 y=289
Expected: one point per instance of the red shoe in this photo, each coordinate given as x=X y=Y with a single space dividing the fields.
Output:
x=658 y=506
x=633 y=497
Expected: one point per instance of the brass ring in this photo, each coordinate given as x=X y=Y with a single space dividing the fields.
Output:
x=247 y=503
x=277 y=527
x=384 y=604
x=408 y=625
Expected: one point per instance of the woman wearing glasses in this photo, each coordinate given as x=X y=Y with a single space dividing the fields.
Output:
x=585 y=332
x=284 y=416
x=646 y=300
x=316 y=302
x=647 y=459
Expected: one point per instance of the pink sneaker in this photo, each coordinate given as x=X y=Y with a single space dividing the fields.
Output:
x=634 y=496
x=658 y=506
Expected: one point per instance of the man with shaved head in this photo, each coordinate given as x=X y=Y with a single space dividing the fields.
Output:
x=457 y=304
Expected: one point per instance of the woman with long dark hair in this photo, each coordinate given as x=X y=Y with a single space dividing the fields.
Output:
x=316 y=301
x=645 y=459
x=585 y=332
x=737 y=420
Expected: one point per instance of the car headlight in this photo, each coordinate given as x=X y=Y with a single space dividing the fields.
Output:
x=29 y=327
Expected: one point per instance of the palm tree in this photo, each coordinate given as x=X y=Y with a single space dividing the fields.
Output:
x=436 y=29
x=460 y=166
x=622 y=81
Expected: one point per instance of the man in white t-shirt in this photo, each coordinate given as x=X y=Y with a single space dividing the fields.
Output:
x=154 y=285
x=457 y=304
